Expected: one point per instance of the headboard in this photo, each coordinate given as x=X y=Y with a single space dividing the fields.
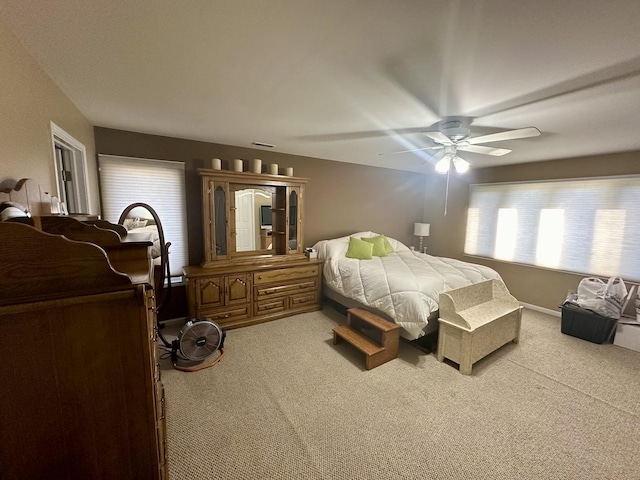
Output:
x=28 y=193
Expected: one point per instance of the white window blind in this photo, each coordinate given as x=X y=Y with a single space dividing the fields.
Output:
x=588 y=226
x=159 y=184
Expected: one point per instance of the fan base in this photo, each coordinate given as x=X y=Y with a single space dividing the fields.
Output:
x=195 y=366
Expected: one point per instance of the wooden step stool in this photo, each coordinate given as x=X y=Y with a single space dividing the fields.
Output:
x=376 y=354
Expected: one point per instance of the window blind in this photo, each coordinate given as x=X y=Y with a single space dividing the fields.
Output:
x=158 y=183
x=588 y=226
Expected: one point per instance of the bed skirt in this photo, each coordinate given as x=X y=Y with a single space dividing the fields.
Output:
x=431 y=327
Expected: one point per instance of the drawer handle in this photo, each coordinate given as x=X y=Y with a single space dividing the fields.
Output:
x=224 y=316
x=271 y=307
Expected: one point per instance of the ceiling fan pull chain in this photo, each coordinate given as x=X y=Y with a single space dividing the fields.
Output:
x=446 y=194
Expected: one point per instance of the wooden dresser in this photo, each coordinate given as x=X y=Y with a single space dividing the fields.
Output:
x=245 y=279
x=82 y=396
x=240 y=295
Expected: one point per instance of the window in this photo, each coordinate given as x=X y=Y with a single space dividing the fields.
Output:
x=588 y=226
x=71 y=173
x=158 y=183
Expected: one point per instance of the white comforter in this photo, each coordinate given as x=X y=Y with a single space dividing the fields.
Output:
x=405 y=284
x=152 y=230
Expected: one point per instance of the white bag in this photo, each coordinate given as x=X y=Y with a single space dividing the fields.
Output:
x=614 y=295
x=588 y=288
x=605 y=299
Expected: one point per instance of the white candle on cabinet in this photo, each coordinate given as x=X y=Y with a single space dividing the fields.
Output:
x=273 y=169
x=237 y=165
x=216 y=164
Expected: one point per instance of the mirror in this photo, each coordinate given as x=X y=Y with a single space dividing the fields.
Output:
x=140 y=220
x=253 y=222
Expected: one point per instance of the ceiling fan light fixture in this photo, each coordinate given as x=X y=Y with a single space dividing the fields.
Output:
x=450 y=150
x=457 y=134
x=443 y=165
x=461 y=166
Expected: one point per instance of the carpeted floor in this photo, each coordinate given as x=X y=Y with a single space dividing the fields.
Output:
x=285 y=403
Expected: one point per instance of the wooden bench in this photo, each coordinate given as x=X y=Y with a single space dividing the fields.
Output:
x=375 y=353
x=476 y=320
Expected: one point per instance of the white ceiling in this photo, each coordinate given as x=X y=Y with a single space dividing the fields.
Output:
x=347 y=80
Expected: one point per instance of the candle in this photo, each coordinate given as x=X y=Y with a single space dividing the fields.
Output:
x=216 y=163
x=273 y=169
x=237 y=165
x=256 y=165
x=289 y=172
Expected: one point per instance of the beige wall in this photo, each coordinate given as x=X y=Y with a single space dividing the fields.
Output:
x=29 y=101
x=341 y=198
x=537 y=286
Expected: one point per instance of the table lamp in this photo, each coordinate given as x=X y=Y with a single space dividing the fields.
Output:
x=421 y=230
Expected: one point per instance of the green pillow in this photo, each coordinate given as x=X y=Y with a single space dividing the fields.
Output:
x=359 y=249
x=387 y=246
x=379 y=249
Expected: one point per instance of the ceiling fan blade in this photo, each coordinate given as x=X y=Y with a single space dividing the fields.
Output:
x=439 y=147
x=438 y=137
x=502 y=136
x=496 y=152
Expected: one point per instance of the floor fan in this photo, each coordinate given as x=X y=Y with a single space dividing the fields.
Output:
x=196 y=345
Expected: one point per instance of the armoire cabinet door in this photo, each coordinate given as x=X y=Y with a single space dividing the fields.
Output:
x=210 y=292
x=238 y=289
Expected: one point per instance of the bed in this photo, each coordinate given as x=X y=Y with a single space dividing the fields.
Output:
x=145 y=227
x=147 y=231
x=403 y=285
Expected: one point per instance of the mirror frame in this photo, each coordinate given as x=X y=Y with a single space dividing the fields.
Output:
x=162 y=294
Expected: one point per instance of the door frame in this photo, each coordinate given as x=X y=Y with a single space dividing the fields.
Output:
x=78 y=160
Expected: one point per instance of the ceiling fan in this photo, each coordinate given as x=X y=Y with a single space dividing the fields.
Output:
x=453 y=134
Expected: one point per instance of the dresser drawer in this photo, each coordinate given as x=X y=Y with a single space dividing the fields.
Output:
x=271 y=306
x=304 y=299
x=284 y=274
x=275 y=290
x=162 y=443
x=160 y=406
x=155 y=354
x=228 y=314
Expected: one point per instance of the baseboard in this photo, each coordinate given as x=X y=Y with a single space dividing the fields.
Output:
x=548 y=311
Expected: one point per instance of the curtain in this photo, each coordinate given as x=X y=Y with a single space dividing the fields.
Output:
x=588 y=226
x=158 y=183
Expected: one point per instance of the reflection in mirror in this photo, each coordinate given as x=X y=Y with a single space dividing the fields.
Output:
x=293 y=221
x=142 y=221
x=252 y=223
x=220 y=222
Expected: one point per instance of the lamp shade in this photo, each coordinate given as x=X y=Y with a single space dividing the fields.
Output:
x=421 y=229
x=462 y=166
x=443 y=165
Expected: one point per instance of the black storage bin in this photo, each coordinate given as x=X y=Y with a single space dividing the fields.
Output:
x=586 y=324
